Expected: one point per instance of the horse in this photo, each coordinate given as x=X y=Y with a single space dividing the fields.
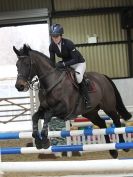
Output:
x=59 y=95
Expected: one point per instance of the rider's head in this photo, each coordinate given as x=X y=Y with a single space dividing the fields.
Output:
x=56 y=32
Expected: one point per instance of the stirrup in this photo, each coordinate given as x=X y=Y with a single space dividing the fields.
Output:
x=86 y=80
x=87 y=105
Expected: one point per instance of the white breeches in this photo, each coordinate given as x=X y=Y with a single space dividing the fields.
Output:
x=80 y=68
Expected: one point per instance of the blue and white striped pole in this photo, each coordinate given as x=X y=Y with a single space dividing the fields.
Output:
x=65 y=148
x=64 y=134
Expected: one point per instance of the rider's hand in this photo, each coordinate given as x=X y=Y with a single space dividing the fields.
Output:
x=60 y=64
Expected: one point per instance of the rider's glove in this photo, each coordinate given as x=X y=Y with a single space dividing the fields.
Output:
x=60 y=64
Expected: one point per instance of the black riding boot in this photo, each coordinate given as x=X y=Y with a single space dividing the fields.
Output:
x=84 y=92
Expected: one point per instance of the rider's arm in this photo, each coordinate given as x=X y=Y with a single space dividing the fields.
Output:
x=52 y=54
x=75 y=55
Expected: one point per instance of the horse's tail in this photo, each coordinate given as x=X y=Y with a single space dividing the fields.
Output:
x=119 y=103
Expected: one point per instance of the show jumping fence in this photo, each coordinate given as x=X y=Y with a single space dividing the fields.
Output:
x=67 y=148
x=68 y=166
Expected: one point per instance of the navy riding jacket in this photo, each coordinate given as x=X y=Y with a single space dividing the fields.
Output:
x=69 y=54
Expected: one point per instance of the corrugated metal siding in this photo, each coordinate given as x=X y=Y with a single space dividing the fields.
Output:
x=84 y=4
x=108 y=59
x=13 y=5
x=106 y=27
x=132 y=34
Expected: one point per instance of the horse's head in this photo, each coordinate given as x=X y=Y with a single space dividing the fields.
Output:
x=24 y=68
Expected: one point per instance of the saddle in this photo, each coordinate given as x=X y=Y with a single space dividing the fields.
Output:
x=89 y=83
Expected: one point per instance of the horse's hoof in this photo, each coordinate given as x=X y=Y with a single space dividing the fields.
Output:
x=38 y=143
x=45 y=143
x=126 y=150
x=29 y=144
x=114 y=153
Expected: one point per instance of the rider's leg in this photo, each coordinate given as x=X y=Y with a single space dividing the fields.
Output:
x=80 y=69
x=84 y=92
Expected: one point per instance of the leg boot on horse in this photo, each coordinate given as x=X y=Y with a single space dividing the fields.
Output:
x=84 y=92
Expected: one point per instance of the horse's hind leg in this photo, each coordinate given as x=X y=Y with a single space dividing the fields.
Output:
x=116 y=120
x=96 y=120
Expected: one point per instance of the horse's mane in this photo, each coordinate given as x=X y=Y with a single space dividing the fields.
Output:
x=26 y=49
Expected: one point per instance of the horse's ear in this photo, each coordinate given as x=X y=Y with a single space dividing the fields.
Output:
x=25 y=49
x=24 y=46
x=16 y=51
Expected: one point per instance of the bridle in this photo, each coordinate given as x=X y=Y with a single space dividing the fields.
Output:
x=30 y=83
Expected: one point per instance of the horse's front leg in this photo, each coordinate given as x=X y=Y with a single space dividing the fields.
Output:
x=44 y=132
x=35 y=133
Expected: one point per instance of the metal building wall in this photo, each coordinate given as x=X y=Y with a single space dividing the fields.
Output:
x=11 y=5
x=111 y=60
x=108 y=59
x=105 y=27
x=84 y=4
x=15 y=5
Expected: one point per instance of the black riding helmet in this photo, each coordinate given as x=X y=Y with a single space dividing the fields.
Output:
x=56 y=30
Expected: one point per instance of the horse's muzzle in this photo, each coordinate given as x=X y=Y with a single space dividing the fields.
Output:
x=22 y=86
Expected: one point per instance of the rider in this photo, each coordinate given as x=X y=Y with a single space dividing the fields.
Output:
x=65 y=49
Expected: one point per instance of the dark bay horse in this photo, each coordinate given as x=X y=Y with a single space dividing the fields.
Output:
x=60 y=97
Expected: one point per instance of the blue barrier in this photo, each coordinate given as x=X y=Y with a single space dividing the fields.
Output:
x=64 y=134
x=65 y=148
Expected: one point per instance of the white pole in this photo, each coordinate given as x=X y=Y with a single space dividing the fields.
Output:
x=68 y=139
x=32 y=107
x=69 y=166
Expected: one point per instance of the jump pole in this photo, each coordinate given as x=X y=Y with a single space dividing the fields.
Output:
x=84 y=124
x=64 y=133
x=69 y=166
x=67 y=148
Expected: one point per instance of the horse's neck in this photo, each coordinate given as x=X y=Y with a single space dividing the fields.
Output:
x=43 y=67
x=45 y=71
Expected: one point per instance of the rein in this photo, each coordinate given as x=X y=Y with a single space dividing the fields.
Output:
x=31 y=82
x=55 y=83
x=52 y=86
x=39 y=78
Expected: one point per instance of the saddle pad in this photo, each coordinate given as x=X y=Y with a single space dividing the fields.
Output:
x=91 y=86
